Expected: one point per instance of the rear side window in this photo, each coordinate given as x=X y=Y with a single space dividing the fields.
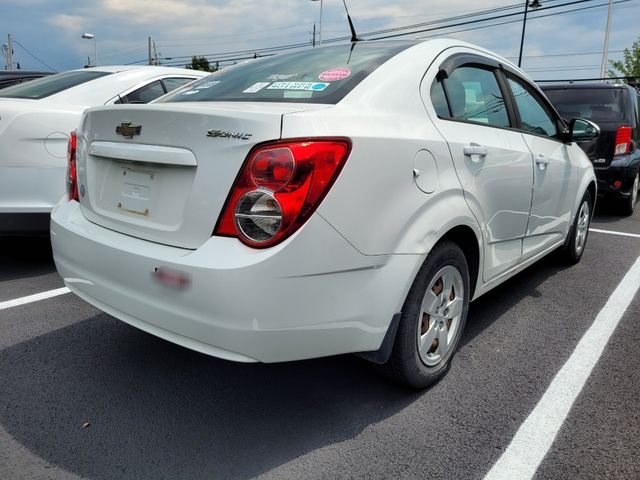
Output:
x=144 y=94
x=534 y=116
x=46 y=86
x=319 y=75
x=473 y=95
x=600 y=105
x=175 y=82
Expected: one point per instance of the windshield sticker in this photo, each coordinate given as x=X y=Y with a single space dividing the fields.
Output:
x=256 y=87
x=334 y=74
x=297 y=94
x=313 y=86
x=276 y=77
x=209 y=84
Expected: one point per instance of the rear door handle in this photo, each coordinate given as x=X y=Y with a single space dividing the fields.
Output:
x=475 y=151
x=542 y=161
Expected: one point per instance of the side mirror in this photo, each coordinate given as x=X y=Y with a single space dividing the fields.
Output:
x=581 y=129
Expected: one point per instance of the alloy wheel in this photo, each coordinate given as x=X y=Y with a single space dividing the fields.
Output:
x=582 y=227
x=439 y=316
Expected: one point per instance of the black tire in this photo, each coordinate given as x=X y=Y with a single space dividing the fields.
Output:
x=406 y=364
x=572 y=251
x=630 y=203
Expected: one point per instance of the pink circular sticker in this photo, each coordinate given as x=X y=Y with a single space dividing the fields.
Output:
x=334 y=74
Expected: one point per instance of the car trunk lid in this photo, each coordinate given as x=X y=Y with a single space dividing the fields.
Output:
x=163 y=172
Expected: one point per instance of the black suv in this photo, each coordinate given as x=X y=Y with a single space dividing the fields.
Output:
x=616 y=152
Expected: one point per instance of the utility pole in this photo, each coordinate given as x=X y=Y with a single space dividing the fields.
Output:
x=314 y=34
x=606 y=42
x=9 y=53
x=150 y=60
x=155 y=54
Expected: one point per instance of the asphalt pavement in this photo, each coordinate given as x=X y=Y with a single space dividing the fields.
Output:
x=83 y=395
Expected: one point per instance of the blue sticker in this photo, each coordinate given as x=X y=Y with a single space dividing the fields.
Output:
x=313 y=86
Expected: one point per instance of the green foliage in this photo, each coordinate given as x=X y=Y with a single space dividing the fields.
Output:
x=629 y=66
x=201 y=63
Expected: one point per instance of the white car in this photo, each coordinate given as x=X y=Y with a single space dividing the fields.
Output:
x=349 y=198
x=35 y=121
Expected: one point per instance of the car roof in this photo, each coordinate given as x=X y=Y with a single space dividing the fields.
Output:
x=583 y=86
x=122 y=78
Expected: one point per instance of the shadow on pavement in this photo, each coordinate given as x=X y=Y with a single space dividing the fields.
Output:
x=609 y=211
x=24 y=257
x=495 y=303
x=157 y=410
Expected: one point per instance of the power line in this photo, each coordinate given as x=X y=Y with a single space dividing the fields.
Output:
x=496 y=17
x=518 y=21
x=227 y=56
x=25 y=49
x=338 y=39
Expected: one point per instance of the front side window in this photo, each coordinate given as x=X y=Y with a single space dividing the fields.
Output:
x=534 y=116
x=473 y=95
x=46 y=86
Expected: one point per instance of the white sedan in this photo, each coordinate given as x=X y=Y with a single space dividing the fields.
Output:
x=35 y=121
x=350 y=198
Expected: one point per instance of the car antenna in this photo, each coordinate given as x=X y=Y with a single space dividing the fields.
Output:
x=354 y=36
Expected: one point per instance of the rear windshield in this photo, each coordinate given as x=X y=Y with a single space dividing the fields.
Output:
x=318 y=75
x=597 y=104
x=46 y=86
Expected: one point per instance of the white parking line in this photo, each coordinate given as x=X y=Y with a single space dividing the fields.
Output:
x=613 y=232
x=33 y=298
x=536 y=435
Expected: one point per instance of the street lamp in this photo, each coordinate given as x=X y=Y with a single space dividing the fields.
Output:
x=91 y=36
x=320 y=30
x=534 y=5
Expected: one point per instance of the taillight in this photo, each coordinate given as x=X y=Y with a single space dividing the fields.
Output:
x=623 y=141
x=72 y=180
x=278 y=188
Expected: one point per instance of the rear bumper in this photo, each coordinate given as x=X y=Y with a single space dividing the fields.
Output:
x=607 y=176
x=314 y=295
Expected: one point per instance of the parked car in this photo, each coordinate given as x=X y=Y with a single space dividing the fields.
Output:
x=348 y=198
x=35 y=121
x=13 y=77
x=616 y=152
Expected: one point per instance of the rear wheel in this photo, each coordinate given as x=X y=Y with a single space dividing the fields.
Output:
x=577 y=241
x=630 y=203
x=432 y=320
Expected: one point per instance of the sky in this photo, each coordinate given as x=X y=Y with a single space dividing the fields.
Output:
x=47 y=33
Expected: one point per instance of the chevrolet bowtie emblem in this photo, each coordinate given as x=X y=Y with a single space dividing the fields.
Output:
x=127 y=131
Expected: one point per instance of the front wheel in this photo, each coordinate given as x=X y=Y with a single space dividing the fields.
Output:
x=432 y=320
x=577 y=241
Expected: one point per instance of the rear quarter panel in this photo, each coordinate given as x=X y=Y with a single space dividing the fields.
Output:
x=375 y=203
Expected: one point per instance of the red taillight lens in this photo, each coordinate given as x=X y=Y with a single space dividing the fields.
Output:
x=72 y=180
x=623 y=141
x=279 y=186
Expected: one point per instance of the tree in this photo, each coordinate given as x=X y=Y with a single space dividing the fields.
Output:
x=630 y=65
x=201 y=63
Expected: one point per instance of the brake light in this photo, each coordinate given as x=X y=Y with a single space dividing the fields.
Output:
x=623 y=141
x=278 y=188
x=72 y=180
